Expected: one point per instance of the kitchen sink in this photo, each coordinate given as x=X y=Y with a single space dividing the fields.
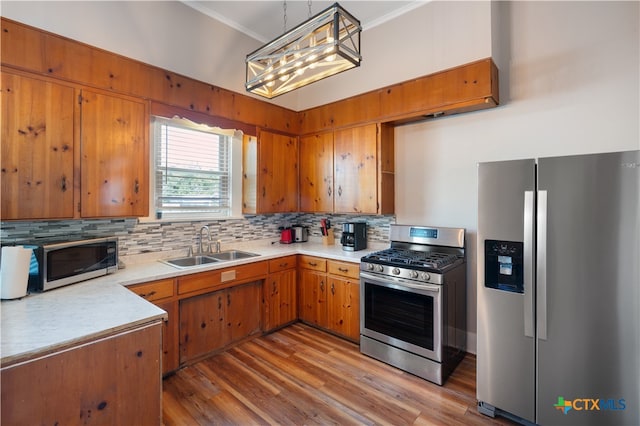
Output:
x=189 y=261
x=232 y=255
x=198 y=260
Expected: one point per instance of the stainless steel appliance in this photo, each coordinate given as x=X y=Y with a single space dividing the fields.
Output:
x=413 y=301
x=300 y=233
x=559 y=289
x=354 y=236
x=58 y=263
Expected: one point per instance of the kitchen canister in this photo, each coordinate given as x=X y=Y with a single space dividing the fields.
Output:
x=14 y=272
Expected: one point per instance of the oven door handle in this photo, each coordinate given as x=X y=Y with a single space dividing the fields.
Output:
x=385 y=281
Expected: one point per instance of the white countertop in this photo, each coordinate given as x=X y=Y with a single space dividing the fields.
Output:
x=45 y=322
x=147 y=268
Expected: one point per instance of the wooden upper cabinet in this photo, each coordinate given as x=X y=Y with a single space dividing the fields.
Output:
x=114 y=156
x=37 y=148
x=316 y=173
x=468 y=87
x=270 y=173
x=363 y=178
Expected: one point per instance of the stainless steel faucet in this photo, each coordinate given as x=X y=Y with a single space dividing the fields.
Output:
x=200 y=246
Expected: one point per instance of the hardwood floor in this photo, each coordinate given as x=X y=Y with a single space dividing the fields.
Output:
x=300 y=375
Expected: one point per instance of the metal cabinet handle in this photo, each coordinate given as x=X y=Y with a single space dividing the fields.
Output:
x=228 y=299
x=333 y=288
x=275 y=287
x=329 y=191
x=145 y=295
x=63 y=183
x=219 y=302
x=136 y=186
x=312 y=264
x=321 y=285
x=343 y=269
x=340 y=191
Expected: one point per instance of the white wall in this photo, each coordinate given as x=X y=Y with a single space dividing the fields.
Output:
x=569 y=76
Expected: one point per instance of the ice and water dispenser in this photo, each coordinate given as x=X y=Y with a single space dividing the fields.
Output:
x=503 y=265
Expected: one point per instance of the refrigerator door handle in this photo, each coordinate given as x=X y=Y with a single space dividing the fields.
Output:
x=528 y=244
x=541 y=262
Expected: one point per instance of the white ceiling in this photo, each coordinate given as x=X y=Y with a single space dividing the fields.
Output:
x=264 y=20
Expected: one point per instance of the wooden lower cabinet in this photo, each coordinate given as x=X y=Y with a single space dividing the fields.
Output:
x=111 y=381
x=162 y=294
x=213 y=320
x=280 y=293
x=313 y=298
x=330 y=295
x=344 y=307
x=170 y=337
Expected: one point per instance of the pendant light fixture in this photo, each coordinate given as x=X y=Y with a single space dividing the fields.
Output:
x=324 y=45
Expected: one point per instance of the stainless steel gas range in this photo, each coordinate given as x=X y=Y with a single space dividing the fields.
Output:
x=413 y=301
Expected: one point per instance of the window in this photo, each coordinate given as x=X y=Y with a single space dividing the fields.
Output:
x=194 y=170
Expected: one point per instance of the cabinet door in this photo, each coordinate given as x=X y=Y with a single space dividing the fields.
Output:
x=277 y=173
x=114 y=156
x=344 y=307
x=203 y=328
x=316 y=173
x=170 y=337
x=242 y=310
x=356 y=170
x=37 y=149
x=280 y=299
x=313 y=298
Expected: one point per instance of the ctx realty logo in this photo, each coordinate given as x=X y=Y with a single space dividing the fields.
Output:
x=589 y=404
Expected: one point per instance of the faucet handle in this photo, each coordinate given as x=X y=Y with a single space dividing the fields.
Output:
x=190 y=251
x=217 y=246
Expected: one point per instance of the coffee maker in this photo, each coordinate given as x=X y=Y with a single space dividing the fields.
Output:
x=354 y=236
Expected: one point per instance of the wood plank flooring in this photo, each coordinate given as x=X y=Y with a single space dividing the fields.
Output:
x=300 y=375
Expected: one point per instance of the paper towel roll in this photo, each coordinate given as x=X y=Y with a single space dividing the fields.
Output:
x=14 y=272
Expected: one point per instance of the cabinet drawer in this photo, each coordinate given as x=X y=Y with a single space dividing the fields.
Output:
x=244 y=272
x=345 y=269
x=313 y=263
x=282 y=263
x=154 y=290
x=200 y=281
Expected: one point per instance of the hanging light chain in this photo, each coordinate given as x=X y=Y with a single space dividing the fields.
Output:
x=284 y=8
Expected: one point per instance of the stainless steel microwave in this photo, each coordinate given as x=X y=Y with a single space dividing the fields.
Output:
x=56 y=264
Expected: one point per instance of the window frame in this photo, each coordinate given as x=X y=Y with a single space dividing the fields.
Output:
x=235 y=170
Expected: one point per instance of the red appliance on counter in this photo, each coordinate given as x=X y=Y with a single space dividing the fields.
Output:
x=287 y=236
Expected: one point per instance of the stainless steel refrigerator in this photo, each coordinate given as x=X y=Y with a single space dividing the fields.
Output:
x=558 y=331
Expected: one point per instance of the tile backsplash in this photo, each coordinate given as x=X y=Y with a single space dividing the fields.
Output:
x=145 y=237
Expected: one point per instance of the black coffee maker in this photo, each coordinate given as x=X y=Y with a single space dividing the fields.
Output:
x=354 y=236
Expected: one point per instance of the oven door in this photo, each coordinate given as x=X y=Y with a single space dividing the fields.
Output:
x=402 y=313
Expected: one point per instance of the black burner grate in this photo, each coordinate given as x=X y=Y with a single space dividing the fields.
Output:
x=412 y=258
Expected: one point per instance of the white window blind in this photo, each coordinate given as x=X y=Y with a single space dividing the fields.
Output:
x=192 y=169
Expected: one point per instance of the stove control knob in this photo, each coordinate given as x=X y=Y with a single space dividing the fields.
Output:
x=425 y=276
x=396 y=271
x=414 y=274
x=380 y=268
x=370 y=266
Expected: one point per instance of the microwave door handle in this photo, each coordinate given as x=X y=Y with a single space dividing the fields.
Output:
x=541 y=262
x=528 y=244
